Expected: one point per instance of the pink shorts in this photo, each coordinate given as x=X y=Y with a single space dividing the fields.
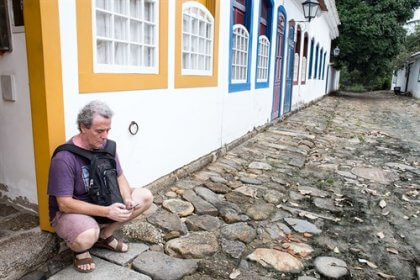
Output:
x=70 y=226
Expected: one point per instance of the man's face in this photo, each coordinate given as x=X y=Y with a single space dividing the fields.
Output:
x=96 y=135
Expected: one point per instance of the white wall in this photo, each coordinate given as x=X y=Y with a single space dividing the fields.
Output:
x=319 y=30
x=413 y=82
x=244 y=110
x=178 y=126
x=399 y=80
x=17 y=167
x=333 y=79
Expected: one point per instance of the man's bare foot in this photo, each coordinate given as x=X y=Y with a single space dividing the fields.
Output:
x=83 y=262
x=111 y=243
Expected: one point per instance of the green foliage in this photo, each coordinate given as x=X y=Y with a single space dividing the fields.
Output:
x=371 y=36
x=355 y=88
x=411 y=45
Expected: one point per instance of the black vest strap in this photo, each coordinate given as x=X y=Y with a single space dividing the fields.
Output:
x=109 y=148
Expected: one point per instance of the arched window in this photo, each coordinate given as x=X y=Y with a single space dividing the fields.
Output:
x=240 y=41
x=323 y=66
x=316 y=61
x=263 y=53
x=297 y=55
x=197 y=39
x=264 y=43
x=311 y=59
x=304 y=58
x=240 y=54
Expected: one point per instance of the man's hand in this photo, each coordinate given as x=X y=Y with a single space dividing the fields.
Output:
x=119 y=212
x=129 y=204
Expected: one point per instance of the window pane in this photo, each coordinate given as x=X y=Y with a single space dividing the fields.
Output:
x=120 y=28
x=186 y=23
x=149 y=13
x=135 y=31
x=208 y=48
x=186 y=42
x=208 y=65
x=193 y=44
x=202 y=29
x=103 y=24
x=103 y=52
x=149 y=56
x=120 y=53
x=185 y=61
x=103 y=4
x=201 y=62
x=201 y=46
x=194 y=29
x=135 y=55
x=135 y=8
x=149 y=34
x=208 y=31
x=120 y=6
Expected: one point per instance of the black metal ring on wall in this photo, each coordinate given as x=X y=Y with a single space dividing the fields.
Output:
x=133 y=128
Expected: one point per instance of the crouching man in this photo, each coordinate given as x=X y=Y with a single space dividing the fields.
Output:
x=79 y=222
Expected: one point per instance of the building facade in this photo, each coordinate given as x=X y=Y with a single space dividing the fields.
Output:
x=192 y=76
x=407 y=78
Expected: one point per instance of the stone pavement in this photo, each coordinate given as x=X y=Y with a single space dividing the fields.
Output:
x=331 y=191
x=23 y=245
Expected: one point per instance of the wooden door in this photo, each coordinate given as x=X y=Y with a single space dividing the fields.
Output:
x=278 y=72
x=289 y=72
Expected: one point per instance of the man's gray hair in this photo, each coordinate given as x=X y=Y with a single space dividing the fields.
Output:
x=87 y=113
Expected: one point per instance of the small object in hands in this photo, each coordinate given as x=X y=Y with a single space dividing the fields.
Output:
x=135 y=206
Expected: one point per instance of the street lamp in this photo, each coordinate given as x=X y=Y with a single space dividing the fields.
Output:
x=310 y=9
x=336 y=51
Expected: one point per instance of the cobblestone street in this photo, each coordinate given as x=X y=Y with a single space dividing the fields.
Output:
x=331 y=191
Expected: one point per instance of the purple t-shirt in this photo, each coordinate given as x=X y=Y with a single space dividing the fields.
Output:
x=69 y=176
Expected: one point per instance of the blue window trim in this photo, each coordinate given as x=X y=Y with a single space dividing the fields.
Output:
x=248 y=22
x=311 y=58
x=316 y=60
x=270 y=37
x=323 y=66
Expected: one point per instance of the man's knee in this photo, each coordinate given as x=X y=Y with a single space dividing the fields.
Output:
x=143 y=196
x=147 y=197
x=86 y=239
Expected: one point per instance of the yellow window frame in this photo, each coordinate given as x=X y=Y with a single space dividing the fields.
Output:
x=105 y=82
x=193 y=81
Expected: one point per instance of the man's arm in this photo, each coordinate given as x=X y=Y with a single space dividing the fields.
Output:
x=116 y=211
x=125 y=191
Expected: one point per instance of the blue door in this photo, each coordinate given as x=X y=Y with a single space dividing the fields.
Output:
x=289 y=74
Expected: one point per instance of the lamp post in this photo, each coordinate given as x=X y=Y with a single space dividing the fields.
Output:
x=310 y=9
x=336 y=51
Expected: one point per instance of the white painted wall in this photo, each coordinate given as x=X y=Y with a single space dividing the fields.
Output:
x=414 y=80
x=318 y=29
x=333 y=79
x=399 y=80
x=17 y=167
x=178 y=126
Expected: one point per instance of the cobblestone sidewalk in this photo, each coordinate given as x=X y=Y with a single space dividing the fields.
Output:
x=332 y=191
